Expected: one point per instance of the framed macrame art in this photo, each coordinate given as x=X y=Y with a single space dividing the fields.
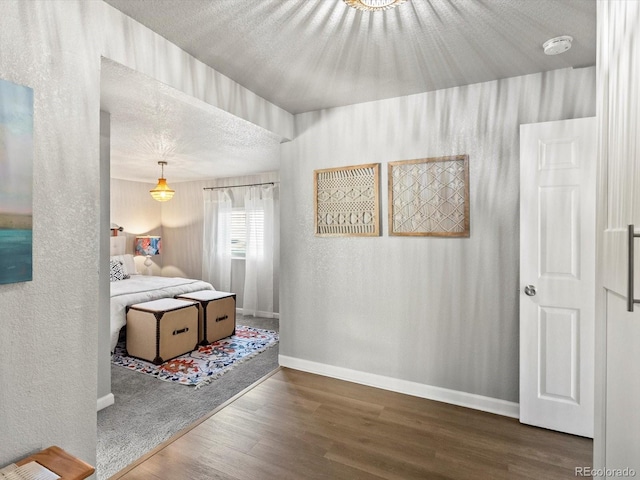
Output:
x=347 y=201
x=429 y=197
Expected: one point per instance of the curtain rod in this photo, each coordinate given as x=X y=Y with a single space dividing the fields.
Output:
x=238 y=186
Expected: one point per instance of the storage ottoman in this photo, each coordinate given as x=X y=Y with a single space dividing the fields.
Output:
x=162 y=329
x=217 y=314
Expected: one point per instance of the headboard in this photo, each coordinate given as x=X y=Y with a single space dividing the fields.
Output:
x=118 y=245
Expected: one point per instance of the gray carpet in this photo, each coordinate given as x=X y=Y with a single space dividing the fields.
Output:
x=147 y=411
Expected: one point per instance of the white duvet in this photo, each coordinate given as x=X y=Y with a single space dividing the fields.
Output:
x=143 y=288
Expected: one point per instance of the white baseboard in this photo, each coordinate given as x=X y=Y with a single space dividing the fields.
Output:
x=240 y=311
x=462 y=399
x=106 y=401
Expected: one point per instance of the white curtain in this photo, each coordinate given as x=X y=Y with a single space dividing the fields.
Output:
x=258 y=285
x=216 y=256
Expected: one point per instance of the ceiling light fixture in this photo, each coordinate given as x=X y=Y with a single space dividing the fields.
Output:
x=373 y=5
x=162 y=192
x=557 y=45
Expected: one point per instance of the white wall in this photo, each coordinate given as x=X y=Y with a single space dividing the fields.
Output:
x=138 y=214
x=48 y=362
x=135 y=46
x=433 y=311
x=105 y=397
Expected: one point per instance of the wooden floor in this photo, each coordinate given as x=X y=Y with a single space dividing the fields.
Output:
x=298 y=426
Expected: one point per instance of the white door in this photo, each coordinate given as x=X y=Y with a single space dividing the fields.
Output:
x=557 y=274
x=617 y=441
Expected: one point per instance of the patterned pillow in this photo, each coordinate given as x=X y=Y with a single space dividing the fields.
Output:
x=116 y=271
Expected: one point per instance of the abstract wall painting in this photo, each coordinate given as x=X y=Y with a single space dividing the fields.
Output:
x=429 y=197
x=16 y=182
x=347 y=201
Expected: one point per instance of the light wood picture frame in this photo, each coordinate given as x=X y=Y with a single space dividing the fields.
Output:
x=347 y=201
x=429 y=197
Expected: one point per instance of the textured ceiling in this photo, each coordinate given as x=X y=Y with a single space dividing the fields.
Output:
x=151 y=121
x=305 y=55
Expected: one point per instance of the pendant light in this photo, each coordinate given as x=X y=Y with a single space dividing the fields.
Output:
x=162 y=192
x=373 y=5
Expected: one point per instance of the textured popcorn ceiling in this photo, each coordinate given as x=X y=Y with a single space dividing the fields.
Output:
x=305 y=55
x=151 y=121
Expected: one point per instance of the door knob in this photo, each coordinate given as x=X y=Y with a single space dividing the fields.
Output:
x=530 y=290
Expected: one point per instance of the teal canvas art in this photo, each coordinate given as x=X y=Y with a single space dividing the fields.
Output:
x=16 y=182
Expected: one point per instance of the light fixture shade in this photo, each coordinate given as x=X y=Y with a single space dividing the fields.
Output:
x=162 y=192
x=148 y=245
x=373 y=5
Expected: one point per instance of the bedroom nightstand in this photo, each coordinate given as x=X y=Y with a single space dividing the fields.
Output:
x=61 y=463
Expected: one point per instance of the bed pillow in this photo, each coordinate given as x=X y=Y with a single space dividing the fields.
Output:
x=116 y=271
x=127 y=262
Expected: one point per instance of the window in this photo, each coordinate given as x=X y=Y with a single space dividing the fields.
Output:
x=239 y=232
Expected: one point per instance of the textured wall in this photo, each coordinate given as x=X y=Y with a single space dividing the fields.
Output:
x=49 y=325
x=135 y=46
x=434 y=311
x=133 y=209
x=104 y=330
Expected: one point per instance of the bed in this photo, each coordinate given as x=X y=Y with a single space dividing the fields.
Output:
x=128 y=288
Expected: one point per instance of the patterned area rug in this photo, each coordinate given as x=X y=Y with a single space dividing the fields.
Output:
x=199 y=367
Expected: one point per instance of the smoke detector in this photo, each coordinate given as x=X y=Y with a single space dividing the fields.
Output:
x=557 y=45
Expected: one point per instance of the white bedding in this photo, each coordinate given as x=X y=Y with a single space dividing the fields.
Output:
x=143 y=288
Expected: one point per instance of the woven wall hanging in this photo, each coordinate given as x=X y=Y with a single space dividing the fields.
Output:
x=429 y=197
x=347 y=201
